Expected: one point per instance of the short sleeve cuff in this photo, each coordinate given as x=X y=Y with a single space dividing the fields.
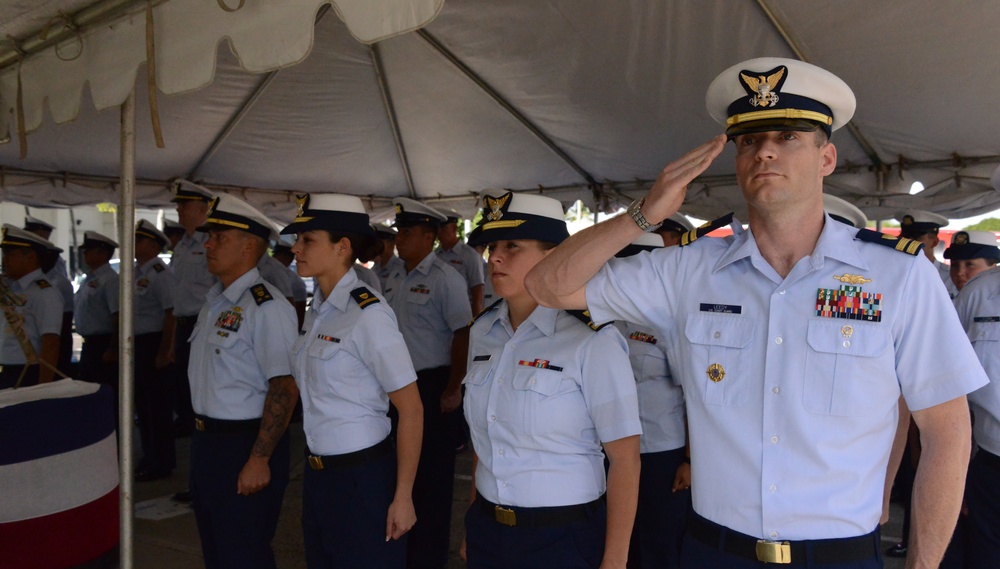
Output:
x=944 y=391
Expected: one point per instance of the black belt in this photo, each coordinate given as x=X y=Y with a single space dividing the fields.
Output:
x=988 y=458
x=350 y=459
x=823 y=551
x=210 y=425
x=546 y=517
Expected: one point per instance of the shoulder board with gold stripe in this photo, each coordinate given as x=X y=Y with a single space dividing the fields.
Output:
x=260 y=294
x=364 y=297
x=706 y=228
x=42 y=283
x=485 y=311
x=908 y=246
x=584 y=316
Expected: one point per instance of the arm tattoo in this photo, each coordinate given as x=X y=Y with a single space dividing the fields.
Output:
x=279 y=403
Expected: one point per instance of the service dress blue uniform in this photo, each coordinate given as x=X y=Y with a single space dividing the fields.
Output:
x=346 y=361
x=41 y=313
x=94 y=307
x=154 y=296
x=431 y=302
x=243 y=339
x=539 y=402
x=791 y=384
x=661 y=513
x=190 y=269
x=979 y=310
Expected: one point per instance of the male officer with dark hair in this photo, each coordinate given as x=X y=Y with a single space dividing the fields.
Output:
x=40 y=314
x=193 y=281
x=923 y=226
x=95 y=310
x=431 y=302
x=242 y=392
x=154 y=336
x=793 y=340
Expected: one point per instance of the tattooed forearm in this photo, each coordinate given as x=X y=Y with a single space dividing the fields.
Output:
x=279 y=403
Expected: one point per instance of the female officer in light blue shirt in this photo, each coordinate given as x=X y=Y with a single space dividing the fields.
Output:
x=350 y=361
x=545 y=391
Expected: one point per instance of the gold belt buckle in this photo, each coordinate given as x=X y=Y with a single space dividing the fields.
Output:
x=315 y=462
x=774 y=551
x=199 y=424
x=504 y=516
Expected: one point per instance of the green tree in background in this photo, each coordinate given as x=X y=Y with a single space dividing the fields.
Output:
x=988 y=224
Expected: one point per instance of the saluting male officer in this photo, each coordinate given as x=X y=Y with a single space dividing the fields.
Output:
x=431 y=303
x=243 y=394
x=193 y=281
x=923 y=226
x=95 y=309
x=154 y=336
x=41 y=313
x=792 y=340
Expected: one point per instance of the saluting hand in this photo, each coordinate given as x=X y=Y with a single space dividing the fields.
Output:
x=401 y=518
x=254 y=477
x=667 y=194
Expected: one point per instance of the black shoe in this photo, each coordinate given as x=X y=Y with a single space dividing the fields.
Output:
x=149 y=475
x=898 y=550
x=182 y=497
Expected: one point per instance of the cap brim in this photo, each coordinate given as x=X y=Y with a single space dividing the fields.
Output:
x=533 y=227
x=779 y=125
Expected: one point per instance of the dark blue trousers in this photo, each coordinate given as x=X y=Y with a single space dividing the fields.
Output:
x=696 y=554
x=236 y=531
x=344 y=513
x=427 y=546
x=154 y=402
x=982 y=496
x=576 y=545
x=661 y=515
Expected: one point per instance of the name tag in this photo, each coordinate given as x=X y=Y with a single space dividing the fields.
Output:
x=986 y=319
x=485 y=358
x=722 y=308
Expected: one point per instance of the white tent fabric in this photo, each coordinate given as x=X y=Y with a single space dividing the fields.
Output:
x=576 y=98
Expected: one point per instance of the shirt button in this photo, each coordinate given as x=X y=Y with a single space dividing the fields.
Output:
x=500 y=452
x=782 y=292
x=774 y=534
x=774 y=439
x=504 y=484
x=216 y=350
x=778 y=340
x=773 y=488
x=718 y=334
x=493 y=418
x=532 y=382
x=847 y=343
x=775 y=390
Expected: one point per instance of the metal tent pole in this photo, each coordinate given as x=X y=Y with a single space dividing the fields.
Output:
x=126 y=403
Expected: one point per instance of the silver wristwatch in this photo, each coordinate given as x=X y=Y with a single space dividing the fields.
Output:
x=635 y=212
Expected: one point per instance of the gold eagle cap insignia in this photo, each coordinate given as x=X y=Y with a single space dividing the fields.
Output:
x=764 y=87
x=496 y=206
x=960 y=238
x=302 y=202
x=399 y=209
x=852 y=279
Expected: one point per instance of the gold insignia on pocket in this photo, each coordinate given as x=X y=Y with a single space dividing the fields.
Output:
x=847 y=331
x=716 y=372
x=852 y=279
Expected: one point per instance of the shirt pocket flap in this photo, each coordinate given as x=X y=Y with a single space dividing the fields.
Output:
x=418 y=298
x=541 y=381
x=323 y=349
x=477 y=374
x=725 y=331
x=835 y=337
x=221 y=338
x=984 y=332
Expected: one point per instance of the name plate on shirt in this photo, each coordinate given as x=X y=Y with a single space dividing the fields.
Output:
x=986 y=319
x=722 y=308
x=485 y=358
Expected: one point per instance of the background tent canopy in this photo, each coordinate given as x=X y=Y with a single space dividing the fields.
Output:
x=575 y=98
